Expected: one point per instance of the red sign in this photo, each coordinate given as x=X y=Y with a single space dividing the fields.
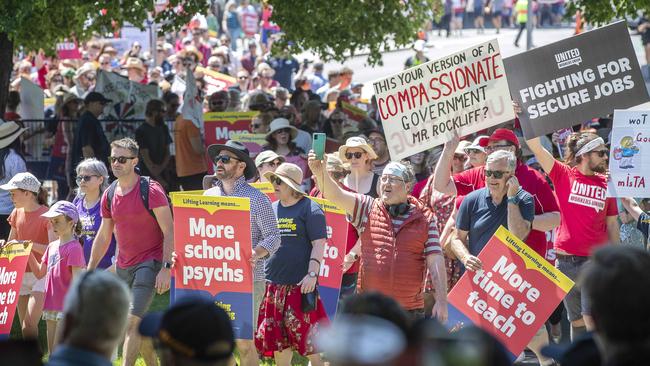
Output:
x=512 y=296
x=220 y=126
x=68 y=51
x=13 y=261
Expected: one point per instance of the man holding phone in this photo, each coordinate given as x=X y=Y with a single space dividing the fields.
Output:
x=394 y=217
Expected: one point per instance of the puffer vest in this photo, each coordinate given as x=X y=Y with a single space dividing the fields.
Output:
x=394 y=265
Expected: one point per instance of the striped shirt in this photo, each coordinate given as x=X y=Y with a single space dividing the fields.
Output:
x=359 y=219
x=264 y=226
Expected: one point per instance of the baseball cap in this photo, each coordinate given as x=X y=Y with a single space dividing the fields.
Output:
x=504 y=134
x=479 y=143
x=26 y=181
x=267 y=156
x=193 y=327
x=63 y=208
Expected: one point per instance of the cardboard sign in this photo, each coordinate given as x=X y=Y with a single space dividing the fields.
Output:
x=331 y=268
x=512 y=296
x=464 y=92
x=13 y=261
x=576 y=79
x=212 y=237
x=629 y=159
x=68 y=51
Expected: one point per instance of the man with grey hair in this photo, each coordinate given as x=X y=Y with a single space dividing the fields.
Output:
x=94 y=320
x=394 y=217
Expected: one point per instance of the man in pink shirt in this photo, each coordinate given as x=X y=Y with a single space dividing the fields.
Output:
x=144 y=241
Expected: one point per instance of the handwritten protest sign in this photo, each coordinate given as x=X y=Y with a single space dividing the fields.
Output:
x=13 y=261
x=512 y=296
x=629 y=160
x=212 y=237
x=576 y=79
x=465 y=92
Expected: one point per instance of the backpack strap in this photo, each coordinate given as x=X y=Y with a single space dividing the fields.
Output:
x=110 y=193
x=145 y=183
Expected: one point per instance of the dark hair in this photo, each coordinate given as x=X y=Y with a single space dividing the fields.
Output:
x=76 y=229
x=168 y=96
x=154 y=106
x=378 y=305
x=273 y=144
x=13 y=99
x=574 y=143
x=4 y=153
x=41 y=196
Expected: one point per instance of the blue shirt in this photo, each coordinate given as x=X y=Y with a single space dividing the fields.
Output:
x=299 y=225
x=90 y=219
x=644 y=225
x=284 y=69
x=65 y=355
x=481 y=218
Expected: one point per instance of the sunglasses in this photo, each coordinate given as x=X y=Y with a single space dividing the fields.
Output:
x=473 y=151
x=497 y=147
x=284 y=130
x=274 y=164
x=601 y=153
x=225 y=159
x=120 y=159
x=57 y=80
x=356 y=155
x=497 y=174
x=85 y=178
x=275 y=180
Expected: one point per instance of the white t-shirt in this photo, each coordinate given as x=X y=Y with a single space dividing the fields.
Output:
x=14 y=164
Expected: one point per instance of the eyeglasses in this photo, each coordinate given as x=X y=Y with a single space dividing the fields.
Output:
x=392 y=180
x=275 y=180
x=120 y=159
x=356 y=155
x=473 y=151
x=497 y=174
x=85 y=178
x=601 y=153
x=497 y=147
x=225 y=159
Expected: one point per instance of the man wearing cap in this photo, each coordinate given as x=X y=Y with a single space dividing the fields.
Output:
x=547 y=215
x=233 y=168
x=476 y=151
x=89 y=138
x=399 y=238
x=144 y=237
x=193 y=331
x=218 y=101
x=84 y=80
x=418 y=58
x=267 y=161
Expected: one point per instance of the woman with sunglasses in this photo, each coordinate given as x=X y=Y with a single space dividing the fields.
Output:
x=281 y=140
x=267 y=161
x=359 y=155
x=92 y=180
x=291 y=312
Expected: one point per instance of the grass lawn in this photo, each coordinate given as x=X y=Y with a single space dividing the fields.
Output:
x=160 y=302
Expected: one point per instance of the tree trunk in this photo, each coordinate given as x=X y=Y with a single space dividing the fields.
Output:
x=6 y=67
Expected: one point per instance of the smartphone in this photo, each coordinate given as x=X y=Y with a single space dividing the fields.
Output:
x=318 y=145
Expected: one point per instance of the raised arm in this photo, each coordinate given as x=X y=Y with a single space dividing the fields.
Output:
x=632 y=207
x=328 y=186
x=442 y=181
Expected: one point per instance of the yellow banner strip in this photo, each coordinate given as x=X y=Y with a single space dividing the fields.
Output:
x=211 y=204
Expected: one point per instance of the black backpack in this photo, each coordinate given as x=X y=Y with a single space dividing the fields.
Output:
x=144 y=194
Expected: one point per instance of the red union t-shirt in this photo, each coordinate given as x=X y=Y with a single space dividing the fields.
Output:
x=584 y=208
x=137 y=233
x=530 y=180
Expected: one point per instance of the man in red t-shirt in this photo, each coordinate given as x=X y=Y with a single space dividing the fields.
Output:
x=144 y=241
x=588 y=216
x=547 y=215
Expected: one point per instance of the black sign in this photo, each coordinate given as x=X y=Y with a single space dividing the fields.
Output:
x=576 y=79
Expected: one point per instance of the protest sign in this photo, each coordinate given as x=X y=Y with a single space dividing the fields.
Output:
x=252 y=141
x=266 y=188
x=576 y=79
x=464 y=92
x=212 y=237
x=128 y=98
x=13 y=261
x=353 y=112
x=32 y=107
x=629 y=160
x=331 y=267
x=219 y=126
x=512 y=296
x=216 y=81
x=68 y=51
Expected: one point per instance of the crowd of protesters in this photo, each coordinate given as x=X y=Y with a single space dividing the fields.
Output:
x=441 y=205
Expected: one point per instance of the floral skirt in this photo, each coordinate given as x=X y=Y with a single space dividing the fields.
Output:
x=282 y=324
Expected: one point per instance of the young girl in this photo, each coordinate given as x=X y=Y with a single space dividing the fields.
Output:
x=30 y=201
x=62 y=261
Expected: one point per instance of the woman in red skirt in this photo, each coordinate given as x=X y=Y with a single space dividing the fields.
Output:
x=291 y=312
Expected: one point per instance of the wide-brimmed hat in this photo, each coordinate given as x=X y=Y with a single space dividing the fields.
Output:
x=461 y=147
x=25 y=181
x=9 y=131
x=240 y=151
x=358 y=142
x=279 y=124
x=84 y=69
x=192 y=50
x=290 y=174
x=134 y=63
x=266 y=157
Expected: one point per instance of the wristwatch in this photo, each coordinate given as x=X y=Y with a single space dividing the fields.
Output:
x=351 y=257
x=167 y=265
x=312 y=274
x=514 y=200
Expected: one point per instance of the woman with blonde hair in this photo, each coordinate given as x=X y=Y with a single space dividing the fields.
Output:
x=359 y=156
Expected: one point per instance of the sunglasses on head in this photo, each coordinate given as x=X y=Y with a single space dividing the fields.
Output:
x=224 y=159
x=601 y=153
x=120 y=159
x=356 y=155
x=85 y=178
x=497 y=174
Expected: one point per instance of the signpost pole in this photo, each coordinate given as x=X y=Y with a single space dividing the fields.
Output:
x=529 y=26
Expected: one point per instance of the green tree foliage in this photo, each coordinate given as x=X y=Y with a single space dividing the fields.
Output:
x=337 y=29
x=41 y=24
x=604 y=11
